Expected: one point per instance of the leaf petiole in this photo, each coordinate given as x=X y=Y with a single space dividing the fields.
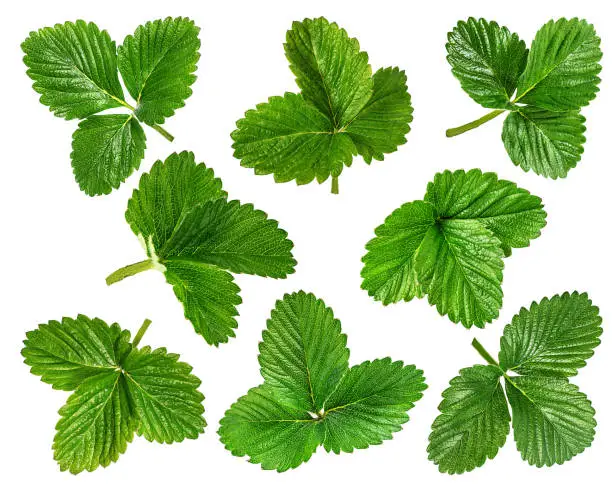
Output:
x=163 y=132
x=335 y=189
x=157 y=128
x=141 y=331
x=474 y=124
x=129 y=270
x=483 y=353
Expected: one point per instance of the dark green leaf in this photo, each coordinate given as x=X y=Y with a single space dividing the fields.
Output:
x=487 y=60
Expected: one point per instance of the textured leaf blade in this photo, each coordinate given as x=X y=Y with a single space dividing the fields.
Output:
x=552 y=420
x=370 y=404
x=303 y=355
x=389 y=274
x=513 y=215
x=270 y=433
x=329 y=68
x=232 y=236
x=474 y=421
x=106 y=149
x=97 y=422
x=165 y=394
x=209 y=297
x=547 y=142
x=562 y=66
x=172 y=188
x=554 y=337
x=381 y=126
x=460 y=267
x=487 y=60
x=157 y=64
x=67 y=353
x=291 y=139
x=74 y=69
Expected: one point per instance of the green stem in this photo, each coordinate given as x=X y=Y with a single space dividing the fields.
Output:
x=474 y=124
x=129 y=270
x=141 y=331
x=163 y=132
x=483 y=353
x=335 y=188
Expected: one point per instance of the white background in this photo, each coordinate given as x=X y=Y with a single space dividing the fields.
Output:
x=58 y=244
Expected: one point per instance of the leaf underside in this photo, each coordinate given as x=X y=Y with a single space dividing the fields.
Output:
x=310 y=397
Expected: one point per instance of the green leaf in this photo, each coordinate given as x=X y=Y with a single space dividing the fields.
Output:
x=370 y=404
x=512 y=214
x=547 y=142
x=209 y=297
x=193 y=235
x=118 y=390
x=388 y=273
x=553 y=338
x=231 y=236
x=74 y=69
x=106 y=149
x=460 y=268
x=473 y=422
x=97 y=422
x=166 y=396
x=157 y=64
x=271 y=433
x=562 y=66
x=311 y=397
x=65 y=354
x=164 y=195
x=303 y=355
x=552 y=420
x=381 y=126
x=487 y=60
x=333 y=74
x=291 y=139
x=342 y=111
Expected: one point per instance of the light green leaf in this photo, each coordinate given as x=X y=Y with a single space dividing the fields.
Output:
x=330 y=69
x=303 y=355
x=388 y=273
x=97 y=422
x=164 y=195
x=209 y=297
x=473 y=422
x=74 y=69
x=547 y=142
x=311 y=397
x=370 y=404
x=552 y=420
x=165 y=394
x=271 y=433
x=512 y=214
x=562 y=66
x=487 y=60
x=157 y=64
x=554 y=337
x=459 y=265
x=293 y=140
x=380 y=127
x=231 y=236
x=65 y=354
x=106 y=149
